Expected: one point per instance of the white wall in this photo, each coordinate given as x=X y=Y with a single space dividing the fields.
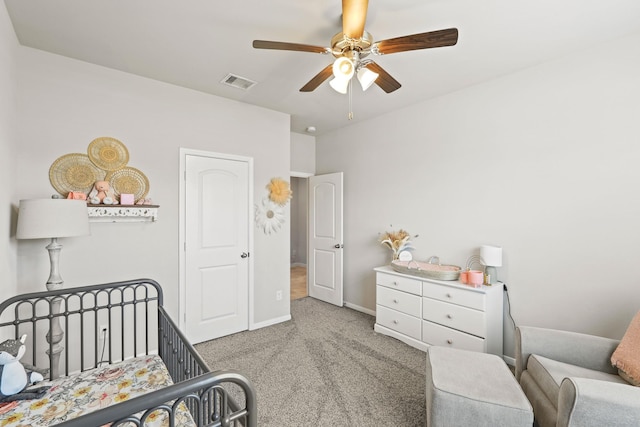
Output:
x=303 y=164
x=303 y=153
x=299 y=209
x=8 y=139
x=64 y=104
x=543 y=162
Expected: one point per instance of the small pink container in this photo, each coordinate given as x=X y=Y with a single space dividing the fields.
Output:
x=475 y=277
x=126 y=199
x=464 y=277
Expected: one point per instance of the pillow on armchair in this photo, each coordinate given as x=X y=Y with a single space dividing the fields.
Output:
x=626 y=357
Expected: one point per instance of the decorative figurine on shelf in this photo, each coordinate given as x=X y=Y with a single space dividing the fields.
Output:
x=102 y=193
x=145 y=201
x=14 y=376
x=76 y=195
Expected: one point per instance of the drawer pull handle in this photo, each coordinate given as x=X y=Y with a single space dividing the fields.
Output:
x=449 y=341
x=449 y=316
x=395 y=300
x=395 y=283
x=395 y=322
x=448 y=295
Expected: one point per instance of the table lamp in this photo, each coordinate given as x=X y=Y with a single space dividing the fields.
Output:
x=491 y=257
x=53 y=219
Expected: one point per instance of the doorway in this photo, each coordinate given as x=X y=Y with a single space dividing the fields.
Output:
x=299 y=214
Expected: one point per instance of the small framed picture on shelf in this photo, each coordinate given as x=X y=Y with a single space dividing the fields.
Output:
x=126 y=199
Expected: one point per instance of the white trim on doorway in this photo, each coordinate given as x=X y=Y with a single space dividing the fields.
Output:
x=184 y=152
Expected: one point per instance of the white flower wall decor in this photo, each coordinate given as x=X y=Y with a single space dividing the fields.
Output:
x=269 y=216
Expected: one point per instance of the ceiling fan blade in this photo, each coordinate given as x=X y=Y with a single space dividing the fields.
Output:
x=384 y=80
x=439 y=38
x=318 y=79
x=354 y=15
x=265 y=44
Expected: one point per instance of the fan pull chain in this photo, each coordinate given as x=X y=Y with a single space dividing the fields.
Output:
x=350 y=100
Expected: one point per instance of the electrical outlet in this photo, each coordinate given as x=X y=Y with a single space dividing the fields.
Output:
x=278 y=295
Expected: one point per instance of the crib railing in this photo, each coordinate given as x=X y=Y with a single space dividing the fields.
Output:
x=117 y=321
x=204 y=395
x=101 y=324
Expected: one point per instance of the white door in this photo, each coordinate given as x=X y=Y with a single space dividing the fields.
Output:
x=216 y=247
x=325 y=238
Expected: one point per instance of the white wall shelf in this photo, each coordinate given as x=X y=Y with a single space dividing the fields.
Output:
x=123 y=213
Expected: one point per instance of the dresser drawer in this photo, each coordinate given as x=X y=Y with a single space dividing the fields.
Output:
x=466 y=298
x=439 y=335
x=401 y=322
x=413 y=286
x=400 y=301
x=454 y=316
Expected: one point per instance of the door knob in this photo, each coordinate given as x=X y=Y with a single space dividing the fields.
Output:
x=244 y=255
x=338 y=246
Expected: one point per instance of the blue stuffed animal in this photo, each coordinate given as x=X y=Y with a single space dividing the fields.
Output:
x=14 y=378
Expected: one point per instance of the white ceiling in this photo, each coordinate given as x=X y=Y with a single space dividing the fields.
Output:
x=196 y=43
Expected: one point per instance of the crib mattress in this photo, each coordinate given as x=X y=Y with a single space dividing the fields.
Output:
x=76 y=395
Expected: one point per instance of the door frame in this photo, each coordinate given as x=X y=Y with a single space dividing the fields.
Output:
x=305 y=175
x=182 y=273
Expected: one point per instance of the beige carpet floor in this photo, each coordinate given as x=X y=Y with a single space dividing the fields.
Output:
x=326 y=367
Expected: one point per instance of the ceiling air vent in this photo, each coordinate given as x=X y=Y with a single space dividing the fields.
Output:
x=238 y=82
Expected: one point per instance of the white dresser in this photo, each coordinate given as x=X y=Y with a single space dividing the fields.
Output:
x=423 y=312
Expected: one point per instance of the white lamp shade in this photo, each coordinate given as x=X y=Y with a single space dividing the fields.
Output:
x=52 y=218
x=340 y=85
x=491 y=255
x=366 y=77
x=343 y=68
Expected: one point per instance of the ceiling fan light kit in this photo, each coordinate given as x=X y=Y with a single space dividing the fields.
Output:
x=366 y=77
x=340 y=85
x=343 y=68
x=353 y=44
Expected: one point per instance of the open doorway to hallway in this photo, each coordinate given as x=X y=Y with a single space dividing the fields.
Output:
x=299 y=207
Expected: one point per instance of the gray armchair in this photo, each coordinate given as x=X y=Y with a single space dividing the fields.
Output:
x=569 y=380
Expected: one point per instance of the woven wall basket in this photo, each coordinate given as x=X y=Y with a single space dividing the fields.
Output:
x=108 y=153
x=129 y=180
x=74 y=172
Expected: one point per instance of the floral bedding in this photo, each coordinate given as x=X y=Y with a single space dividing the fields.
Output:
x=73 y=396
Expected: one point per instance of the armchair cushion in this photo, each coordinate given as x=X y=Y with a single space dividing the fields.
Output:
x=549 y=373
x=586 y=402
x=594 y=352
x=626 y=357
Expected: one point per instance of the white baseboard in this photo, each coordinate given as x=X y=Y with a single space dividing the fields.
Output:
x=401 y=337
x=269 y=322
x=360 y=309
x=298 y=264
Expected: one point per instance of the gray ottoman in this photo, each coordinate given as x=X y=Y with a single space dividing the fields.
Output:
x=467 y=388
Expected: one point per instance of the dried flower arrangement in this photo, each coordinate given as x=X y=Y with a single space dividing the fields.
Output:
x=279 y=191
x=397 y=241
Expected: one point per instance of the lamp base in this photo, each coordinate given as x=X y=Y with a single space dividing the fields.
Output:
x=491 y=275
x=56 y=334
x=55 y=281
